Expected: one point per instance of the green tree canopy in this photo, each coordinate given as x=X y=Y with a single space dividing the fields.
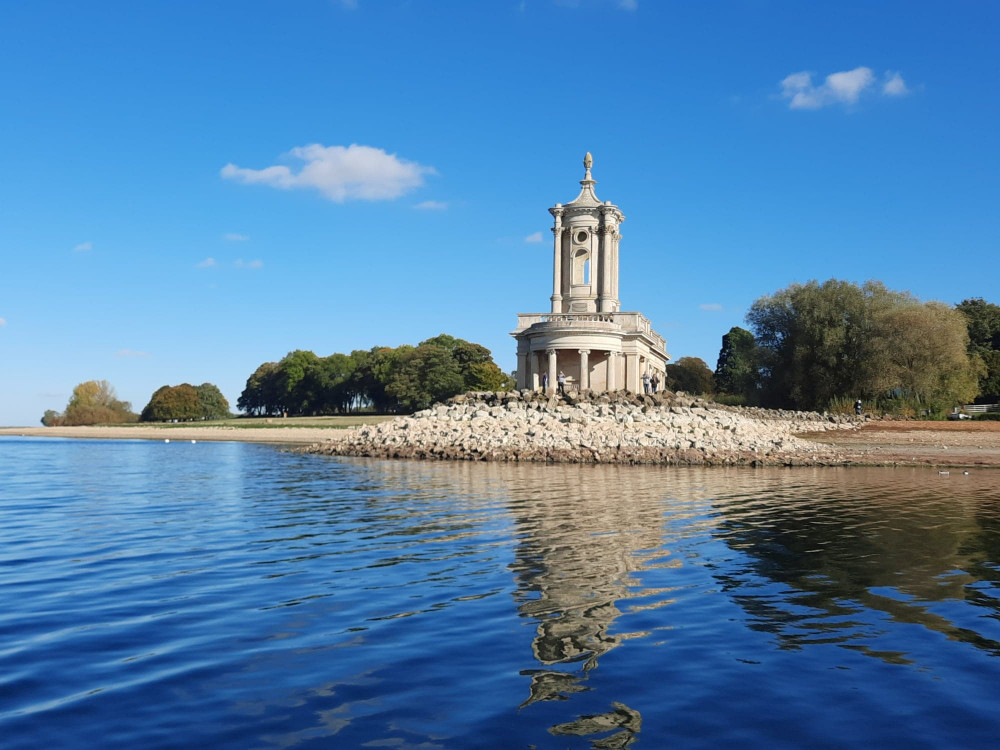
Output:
x=211 y=403
x=170 y=402
x=818 y=343
x=691 y=375
x=736 y=370
x=385 y=379
x=983 y=322
x=424 y=375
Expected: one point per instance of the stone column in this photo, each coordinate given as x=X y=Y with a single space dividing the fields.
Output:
x=612 y=371
x=584 y=369
x=557 y=264
x=553 y=370
x=607 y=233
x=522 y=370
x=533 y=371
x=632 y=372
x=614 y=265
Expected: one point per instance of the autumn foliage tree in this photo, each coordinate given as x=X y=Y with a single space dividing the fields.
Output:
x=92 y=402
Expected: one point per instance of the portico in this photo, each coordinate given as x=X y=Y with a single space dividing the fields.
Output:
x=586 y=336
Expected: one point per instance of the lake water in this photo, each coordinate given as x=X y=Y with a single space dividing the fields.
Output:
x=226 y=595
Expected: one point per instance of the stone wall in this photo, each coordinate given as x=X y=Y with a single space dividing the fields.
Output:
x=615 y=427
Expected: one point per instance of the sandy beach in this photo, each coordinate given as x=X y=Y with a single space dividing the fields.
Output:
x=276 y=435
x=965 y=444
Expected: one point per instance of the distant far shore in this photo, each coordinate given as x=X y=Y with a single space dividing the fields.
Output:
x=294 y=430
x=903 y=443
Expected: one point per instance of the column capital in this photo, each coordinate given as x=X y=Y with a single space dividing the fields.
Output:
x=584 y=351
x=550 y=352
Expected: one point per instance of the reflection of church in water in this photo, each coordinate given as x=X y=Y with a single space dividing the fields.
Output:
x=586 y=335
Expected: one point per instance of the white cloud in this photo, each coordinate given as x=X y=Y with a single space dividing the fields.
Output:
x=240 y=263
x=838 y=88
x=235 y=237
x=207 y=263
x=710 y=306
x=83 y=247
x=131 y=353
x=3 y=322
x=340 y=173
x=534 y=237
x=431 y=206
x=894 y=85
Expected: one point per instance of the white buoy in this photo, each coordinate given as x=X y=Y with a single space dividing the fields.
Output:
x=166 y=440
x=193 y=442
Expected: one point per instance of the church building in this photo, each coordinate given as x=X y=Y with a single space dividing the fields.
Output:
x=586 y=336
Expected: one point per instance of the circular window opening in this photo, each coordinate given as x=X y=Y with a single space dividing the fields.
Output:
x=581 y=237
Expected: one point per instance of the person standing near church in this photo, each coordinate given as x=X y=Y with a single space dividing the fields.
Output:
x=545 y=382
x=562 y=383
x=645 y=382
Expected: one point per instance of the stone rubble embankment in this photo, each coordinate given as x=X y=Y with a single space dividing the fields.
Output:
x=620 y=428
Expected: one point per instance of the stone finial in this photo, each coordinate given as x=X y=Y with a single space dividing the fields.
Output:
x=588 y=161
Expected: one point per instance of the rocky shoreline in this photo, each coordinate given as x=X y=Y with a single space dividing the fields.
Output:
x=617 y=428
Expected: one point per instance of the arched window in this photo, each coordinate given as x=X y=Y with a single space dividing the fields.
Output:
x=581 y=267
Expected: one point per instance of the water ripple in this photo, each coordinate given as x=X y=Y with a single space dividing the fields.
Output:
x=167 y=596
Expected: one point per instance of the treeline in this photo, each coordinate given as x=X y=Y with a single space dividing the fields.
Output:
x=820 y=346
x=95 y=402
x=382 y=379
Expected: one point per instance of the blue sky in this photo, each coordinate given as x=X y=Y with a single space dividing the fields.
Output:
x=191 y=189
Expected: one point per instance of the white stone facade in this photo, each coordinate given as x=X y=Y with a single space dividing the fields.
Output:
x=586 y=336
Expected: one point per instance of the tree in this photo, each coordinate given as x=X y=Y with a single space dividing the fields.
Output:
x=736 y=371
x=691 y=375
x=983 y=324
x=260 y=396
x=178 y=402
x=927 y=354
x=424 y=375
x=822 y=343
x=93 y=402
x=211 y=403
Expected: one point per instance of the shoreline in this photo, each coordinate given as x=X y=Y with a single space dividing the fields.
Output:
x=274 y=435
x=873 y=443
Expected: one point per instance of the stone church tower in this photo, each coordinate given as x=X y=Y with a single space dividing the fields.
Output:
x=586 y=336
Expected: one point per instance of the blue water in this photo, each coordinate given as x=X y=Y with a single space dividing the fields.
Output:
x=235 y=596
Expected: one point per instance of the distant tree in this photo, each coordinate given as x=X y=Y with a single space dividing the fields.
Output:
x=736 y=371
x=691 y=375
x=424 y=375
x=820 y=343
x=260 y=396
x=52 y=418
x=382 y=378
x=211 y=403
x=168 y=402
x=927 y=354
x=983 y=323
x=479 y=371
x=94 y=402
